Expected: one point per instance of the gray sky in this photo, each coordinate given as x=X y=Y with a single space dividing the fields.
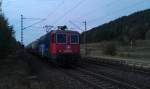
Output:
x=61 y=12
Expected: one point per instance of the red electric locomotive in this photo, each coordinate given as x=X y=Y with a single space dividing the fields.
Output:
x=59 y=46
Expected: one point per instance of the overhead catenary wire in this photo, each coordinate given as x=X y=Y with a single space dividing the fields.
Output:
x=75 y=25
x=32 y=18
x=95 y=9
x=50 y=14
x=55 y=10
x=68 y=11
x=115 y=12
x=91 y=11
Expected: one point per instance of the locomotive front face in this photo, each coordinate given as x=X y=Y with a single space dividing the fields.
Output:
x=67 y=43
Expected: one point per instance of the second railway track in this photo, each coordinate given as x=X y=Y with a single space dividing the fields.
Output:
x=120 y=65
x=95 y=80
x=117 y=72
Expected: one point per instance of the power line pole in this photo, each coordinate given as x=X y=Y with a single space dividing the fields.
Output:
x=21 y=29
x=85 y=43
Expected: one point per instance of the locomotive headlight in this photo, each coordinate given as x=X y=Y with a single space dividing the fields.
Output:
x=59 y=51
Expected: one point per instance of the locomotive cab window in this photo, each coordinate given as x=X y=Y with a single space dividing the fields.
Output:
x=61 y=38
x=74 y=38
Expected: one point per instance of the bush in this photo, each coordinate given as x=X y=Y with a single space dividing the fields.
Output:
x=109 y=49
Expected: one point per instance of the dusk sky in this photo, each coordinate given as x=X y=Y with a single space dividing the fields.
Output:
x=61 y=12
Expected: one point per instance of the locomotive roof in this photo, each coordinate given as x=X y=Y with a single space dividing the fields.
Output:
x=55 y=31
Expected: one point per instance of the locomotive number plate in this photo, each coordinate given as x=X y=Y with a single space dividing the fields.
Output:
x=67 y=51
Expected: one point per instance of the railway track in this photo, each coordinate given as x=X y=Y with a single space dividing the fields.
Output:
x=98 y=80
x=137 y=78
x=95 y=80
x=122 y=66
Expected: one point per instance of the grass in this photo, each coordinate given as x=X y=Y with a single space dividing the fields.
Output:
x=15 y=73
x=140 y=52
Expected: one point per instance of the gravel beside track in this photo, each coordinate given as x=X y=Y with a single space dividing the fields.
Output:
x=137 y=78
x=96 y=80
x=136 y=67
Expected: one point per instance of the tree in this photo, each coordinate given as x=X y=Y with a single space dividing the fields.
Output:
x=126 y=28
x=7 y=40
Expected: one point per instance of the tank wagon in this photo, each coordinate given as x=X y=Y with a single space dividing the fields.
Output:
x=59 y=46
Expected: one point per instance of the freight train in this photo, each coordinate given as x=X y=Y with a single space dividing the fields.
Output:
x=59 y=46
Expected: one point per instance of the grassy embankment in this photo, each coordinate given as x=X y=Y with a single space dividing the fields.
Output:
x=15 y=73
x=140 y=52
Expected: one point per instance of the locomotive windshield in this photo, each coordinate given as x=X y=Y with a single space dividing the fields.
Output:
x=74 y=38
x=61 y=38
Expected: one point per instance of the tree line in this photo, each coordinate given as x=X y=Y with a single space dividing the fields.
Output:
x=126 y=28
x=8 y=42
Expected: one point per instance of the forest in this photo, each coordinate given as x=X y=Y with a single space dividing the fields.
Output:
x=133 y=27
x=8 y=42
